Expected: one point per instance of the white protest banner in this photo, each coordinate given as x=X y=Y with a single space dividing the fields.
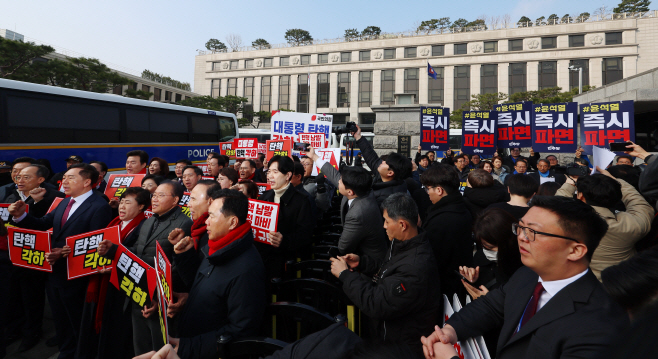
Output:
x=331 y=155
x=291 y=124
x=263 y=217
x=463 y=351
x=314 y=139
x=601 y=157
x=473 y=343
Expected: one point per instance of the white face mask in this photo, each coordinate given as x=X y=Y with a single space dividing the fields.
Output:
x=491 y=255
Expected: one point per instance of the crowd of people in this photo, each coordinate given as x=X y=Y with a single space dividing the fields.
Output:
x=557 y=265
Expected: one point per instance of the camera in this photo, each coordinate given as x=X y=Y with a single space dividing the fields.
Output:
x=573 y=170
x=348 y=128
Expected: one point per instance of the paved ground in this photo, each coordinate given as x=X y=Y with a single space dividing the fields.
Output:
x=41 y=350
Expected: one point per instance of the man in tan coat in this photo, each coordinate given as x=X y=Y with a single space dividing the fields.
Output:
x=603 y=192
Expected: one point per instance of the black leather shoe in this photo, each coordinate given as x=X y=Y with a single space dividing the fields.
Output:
x=52 y=342
x=28 y=343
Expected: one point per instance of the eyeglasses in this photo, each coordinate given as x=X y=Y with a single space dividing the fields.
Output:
x=26 y=178
x=428 y=188
x=525 y=230
x=160 y=195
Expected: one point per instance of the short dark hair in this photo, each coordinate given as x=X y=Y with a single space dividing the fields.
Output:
x=177 y=189
x=582 y=161
x=545 y=161
x=213 y=154
x=87 y=171
x=521 y=160
x=251 y=163
x=480 y=178
x=554 y=156
x=252 y=188
x=42 y=171
x=576 y=218
x=401 y=205
x=29 y=160
x=483 y=163
x=299 y=169
x=493 y=226
x=442 y=175
x=227 y=160
x=235 y=203
x=220 y=159
x=143 y=156
x=211 y=186
x=599 y=190
x=625 y=156
x=164 y=165
x=196 y=170
x=400 y=165
x=548 y=189
x=521 y=185
x=285 y=164
x=261 y=156
x=104 y=167
x=424 y=157
x=185 y=161
x=430 y=151
x=157 y=179
x=356 y=179
x=633 y=283
x=142 y=196
x=230 y=173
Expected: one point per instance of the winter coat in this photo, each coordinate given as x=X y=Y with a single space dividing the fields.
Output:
x=477 y=199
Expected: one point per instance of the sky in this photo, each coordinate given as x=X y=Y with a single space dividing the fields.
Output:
x=164 y=36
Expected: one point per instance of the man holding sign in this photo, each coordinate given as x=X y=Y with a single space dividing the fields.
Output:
x=228 y=284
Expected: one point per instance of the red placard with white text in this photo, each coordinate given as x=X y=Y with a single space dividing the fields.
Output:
x=4 y=210
x=117 y=184
x=28 y=248
x=245 y=147
x=133 y=276
x=262 y=187
x=183 y=204
x=316 y=140
x=226 y=149
x=204 y=168
x=331 y=155
x=163 y=269
x=281 y=147
x=84 y=259
x=263 y=217
x=262 y=148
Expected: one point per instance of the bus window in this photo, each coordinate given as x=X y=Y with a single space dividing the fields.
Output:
x=227 y=130
x=205 y=129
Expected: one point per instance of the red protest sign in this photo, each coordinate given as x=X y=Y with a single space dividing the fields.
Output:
x=117 y=184
x=316 y=140
x=245 y=147
x=133 y=276
x=54 y=204
x=262 y=187
x=262 y=148
x=263 y=217
x=331 y=155
x=278 y=148
x=204 y=167
x=226 y=149
x=28 y=248
x=163 y=305
x=149 y=212
x=4 y=211
x=84 y=259
x=163 y=269
x=183 y=204
x=210 y=178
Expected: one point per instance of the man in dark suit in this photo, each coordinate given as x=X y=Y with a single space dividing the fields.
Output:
x=546 y=174
x=84 y=211
x=363 y=231
x=554 y=307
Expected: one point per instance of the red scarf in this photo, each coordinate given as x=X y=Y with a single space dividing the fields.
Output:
x=230 y=237
x=199 y=229
x=97 y=288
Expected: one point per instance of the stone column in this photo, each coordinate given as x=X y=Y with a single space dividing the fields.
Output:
x=354 y=95
x=503 y=77
x=532 y=77
x=275 y=93
x=333 y=89
x=293 y=92
x=475 y=79
x=449 y=87
x=563 y=74
x=223 y=89
x=399 y=80
x=596 y=72
x=256 y=97
x=392 y=121
x=313 y=94
x=240 y=91
x=376 y=87
x=423 y=85
x=630 y=66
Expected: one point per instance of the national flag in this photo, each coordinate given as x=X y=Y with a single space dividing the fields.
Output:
x=430 y=71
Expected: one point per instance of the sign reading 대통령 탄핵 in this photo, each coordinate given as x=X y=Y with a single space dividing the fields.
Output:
x=602 y=123
x=118 y=183
x=554 y=128
x=263 y=217
x=435 y=128
x=291 y=124
x=514 y=124
x=28 y=248
x=479 y=132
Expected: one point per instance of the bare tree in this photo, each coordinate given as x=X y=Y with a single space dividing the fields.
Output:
x=234 y=41
x=601 y=12
x=506 y=20
x=494 y=21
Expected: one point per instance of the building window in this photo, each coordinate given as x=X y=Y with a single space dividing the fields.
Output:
x=146 y=88
x=515 y=45
x=435 y=87
x=284 y=61
x=323 y=58
x=216 y=66
x=157 y=93
x=364 y=55
x=517 y=77
x=438 y=50
x=547 y=74
x=117 y=90
x=411 y=82
x=576 y=40
x=234 y=65
x=284 y=92
x=323 y=90
x=268 y=62
x=305 y=59
x=613 y=38
x=548 y=42
x=389 y=54
x=265 y=97
x=365 y=88
x=345 y=56
x=249 y=64
x=232 y=88
x=179 y=97
x=489 y=78
x=368 y=119
x=462 y=85
x=168 y=96
x=612 y=70
x=491 y=46
x=343 y=89
x=215 y=87
x=460 y=49
x=409 y=52
x=248 y=109
x=573 y=75
x=340 y=119
x=302 y=93
x=388 y=87
x=133 y=86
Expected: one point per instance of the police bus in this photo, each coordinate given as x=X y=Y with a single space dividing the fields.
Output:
x=54 y=123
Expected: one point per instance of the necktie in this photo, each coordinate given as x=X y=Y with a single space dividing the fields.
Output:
x=346 y=207
x=531 y=309
x=67 y=211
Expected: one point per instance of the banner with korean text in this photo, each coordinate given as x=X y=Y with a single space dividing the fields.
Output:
x=479 y=132
x=133 y=276
x=117 y=184
x=183 y=204
x=4 y=210
x=435 y=128
x=602 y=123
x=84 y=259
x=291 y=124
x=245 y=147
x=226 y=149
x=163 y=269
x=331 y=155
x=203 y=167
x=263 y=217
x=278 y=148
x=262 y=148
x=262 y=187
x=514 y=124
x=163 y=304
x=28 y=248
x=554 y=127
x=316 y=140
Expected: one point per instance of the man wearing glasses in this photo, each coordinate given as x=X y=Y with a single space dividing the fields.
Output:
x=554 y=307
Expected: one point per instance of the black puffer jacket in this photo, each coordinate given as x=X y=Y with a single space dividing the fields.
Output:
x=477 y=199
x=382 y=190
x=402 y=298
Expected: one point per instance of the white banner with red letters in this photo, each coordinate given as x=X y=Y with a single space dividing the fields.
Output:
x=263 y=217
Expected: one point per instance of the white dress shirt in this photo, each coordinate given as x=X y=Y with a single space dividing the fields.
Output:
x=551 y=288
x=78 y=201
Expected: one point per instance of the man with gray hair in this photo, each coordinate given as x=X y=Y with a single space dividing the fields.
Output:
x=400 y=294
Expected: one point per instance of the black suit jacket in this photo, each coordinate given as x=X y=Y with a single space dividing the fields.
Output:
x=40 y=208
x=93 y=214
x=559 y=178
x=576 y=323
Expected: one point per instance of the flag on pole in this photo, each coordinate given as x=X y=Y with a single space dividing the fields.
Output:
x=430 y=71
